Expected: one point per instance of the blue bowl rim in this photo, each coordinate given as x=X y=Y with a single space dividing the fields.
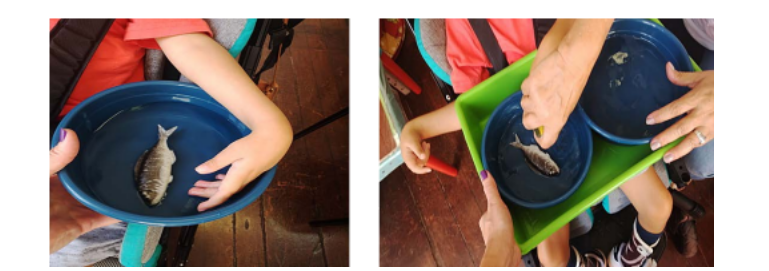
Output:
x=687 y=66
x=555 y=201
x=94 y=204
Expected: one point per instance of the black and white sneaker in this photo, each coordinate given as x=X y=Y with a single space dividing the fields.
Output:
x=635 y=253
x=594 y=258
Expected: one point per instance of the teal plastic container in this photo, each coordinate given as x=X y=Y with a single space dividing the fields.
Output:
x=612 y=164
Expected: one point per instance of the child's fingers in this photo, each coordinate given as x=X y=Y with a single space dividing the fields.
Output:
x=220 y=176
x=417 y=149
x=232 y=183
x=426 y=154
x=204 y=183
x=205 y=192
x=221 y=160
x=413 y=162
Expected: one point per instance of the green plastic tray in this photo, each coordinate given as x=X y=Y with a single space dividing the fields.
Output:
x=611 y=166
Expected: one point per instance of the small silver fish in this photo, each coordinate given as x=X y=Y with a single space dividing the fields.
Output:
x=152 y=172
x=537 y=158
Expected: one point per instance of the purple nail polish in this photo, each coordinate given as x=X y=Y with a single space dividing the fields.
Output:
x=62 y=135
x=484 y=175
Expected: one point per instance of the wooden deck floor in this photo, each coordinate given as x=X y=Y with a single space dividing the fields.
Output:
x=311 y=185
x=432 y=219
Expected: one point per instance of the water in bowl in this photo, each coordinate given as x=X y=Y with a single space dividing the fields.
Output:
x=112 y=150
x=627 y=83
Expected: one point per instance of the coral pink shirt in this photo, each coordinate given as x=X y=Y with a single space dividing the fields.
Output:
x=469 y=64
x=120 y=57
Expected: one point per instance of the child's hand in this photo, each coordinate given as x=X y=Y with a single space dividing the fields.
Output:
x=415 y=152
x=247 y=157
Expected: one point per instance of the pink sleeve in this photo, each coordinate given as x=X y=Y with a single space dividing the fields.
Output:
x=143 y=32
x=465 y=56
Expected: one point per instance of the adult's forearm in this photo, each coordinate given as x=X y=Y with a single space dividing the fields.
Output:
x=583 y=42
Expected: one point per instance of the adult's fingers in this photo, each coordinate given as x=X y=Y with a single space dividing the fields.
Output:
x=221 y=160
x=490 y=189
x=531 y=121
x=679 y=129
x=674 y=109
x=549 y=136
x=64 y=152
x=688 y=144
x=684 y=79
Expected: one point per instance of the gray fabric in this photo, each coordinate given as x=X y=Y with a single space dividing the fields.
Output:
x=434 y=41
x=109 y=262
x=580 y=225
x=226 y=32
x=151 y=241
x=618 y=200
x=92 y=247
x=153 y=65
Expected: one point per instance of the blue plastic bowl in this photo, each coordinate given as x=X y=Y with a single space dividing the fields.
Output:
x=619 y=95
x=117 y=125
x=516 y=180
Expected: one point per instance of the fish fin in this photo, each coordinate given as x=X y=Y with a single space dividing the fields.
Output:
x=163 y=133
x=138 y=166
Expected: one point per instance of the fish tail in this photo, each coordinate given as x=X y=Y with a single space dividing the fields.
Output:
x=163 y=133
x=517 y=143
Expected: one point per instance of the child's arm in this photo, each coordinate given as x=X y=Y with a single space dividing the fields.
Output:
x=414 y=151
x=559 y=74
x=209 y=65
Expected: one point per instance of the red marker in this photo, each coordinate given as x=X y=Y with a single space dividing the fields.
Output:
x=440 y=166
x=401 y=75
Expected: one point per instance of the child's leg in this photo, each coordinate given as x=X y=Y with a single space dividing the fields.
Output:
x=653 y=202
x=555 y=250
x=651 y=199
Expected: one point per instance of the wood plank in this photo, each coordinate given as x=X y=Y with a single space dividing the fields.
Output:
x=336 y=244
x=289 y=240
x=446 y=236
x=249 y=236
x=448 y=205
x=403 y=238
x=214 y=243
x=332 y=152
x=335 y=34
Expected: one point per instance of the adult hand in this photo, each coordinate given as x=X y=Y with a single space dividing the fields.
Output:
x=497 y=228
x=414 y=150
x=68 y=218
x=550 y=94
x=698 y=105
x=247 y=157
